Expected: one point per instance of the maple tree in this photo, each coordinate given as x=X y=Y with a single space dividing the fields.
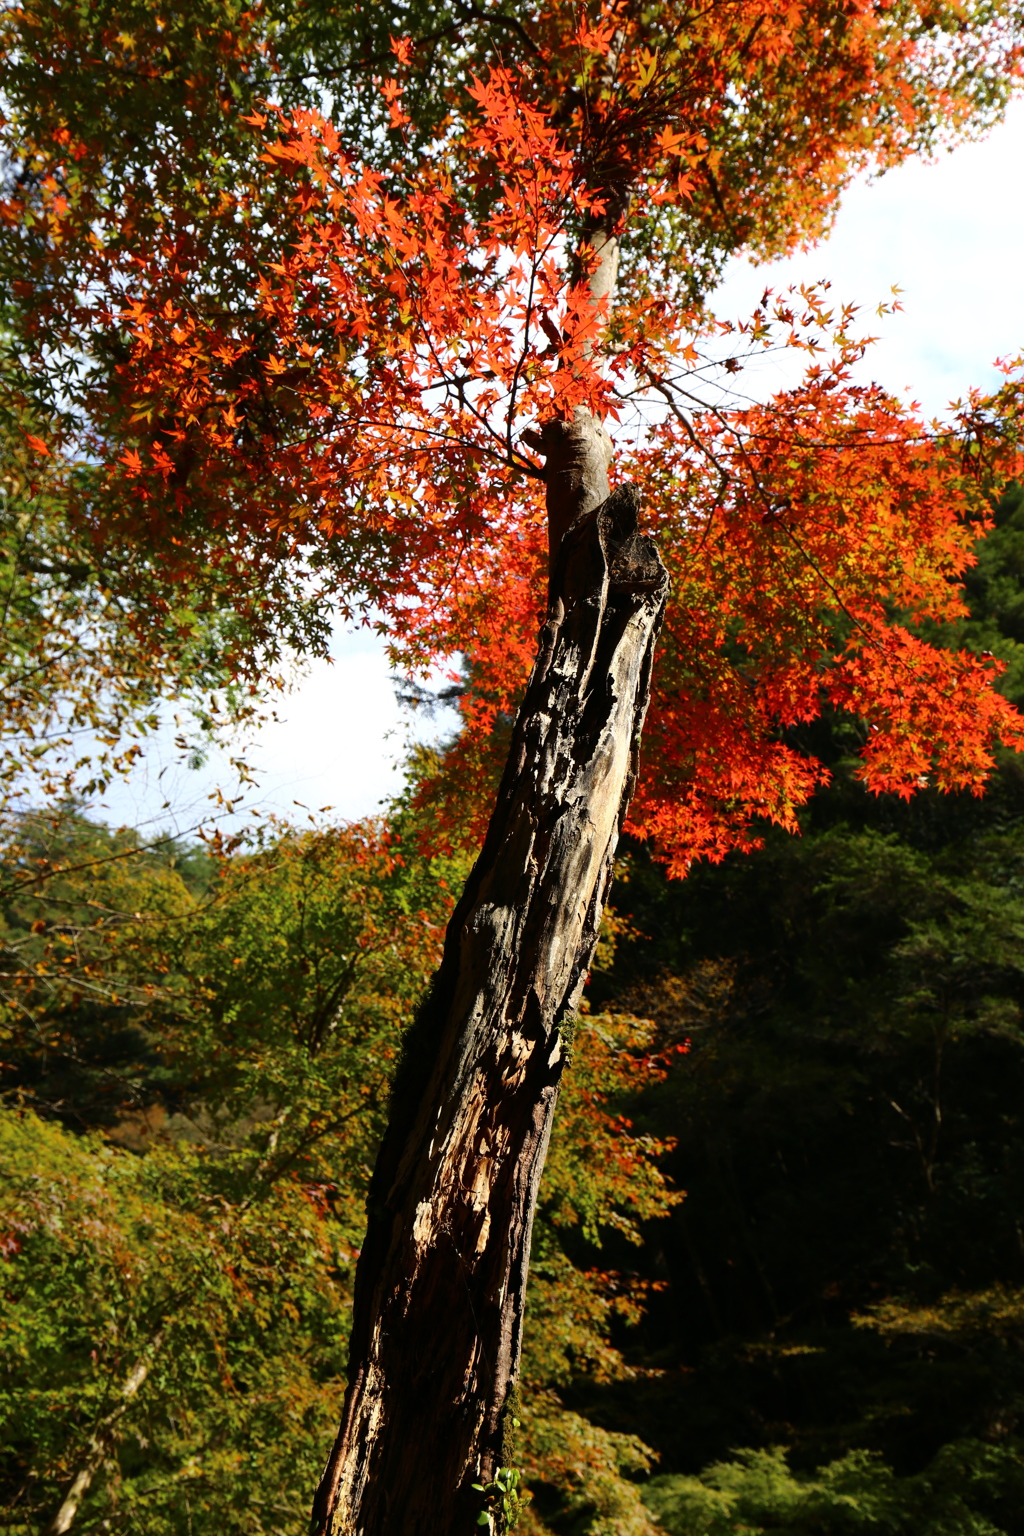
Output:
x=396 y=360
x=413 y=319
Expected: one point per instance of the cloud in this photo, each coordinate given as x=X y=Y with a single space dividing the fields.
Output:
x=950 y=234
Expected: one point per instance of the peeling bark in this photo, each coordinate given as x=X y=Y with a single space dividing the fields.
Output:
x=441 y=1281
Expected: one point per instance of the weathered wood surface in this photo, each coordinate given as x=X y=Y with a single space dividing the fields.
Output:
x=441 y=1279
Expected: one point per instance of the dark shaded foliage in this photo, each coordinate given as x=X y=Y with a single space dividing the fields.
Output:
x=850 y=1124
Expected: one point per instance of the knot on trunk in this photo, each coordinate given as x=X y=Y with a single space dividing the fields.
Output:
x=633 y=561
x=602 y=555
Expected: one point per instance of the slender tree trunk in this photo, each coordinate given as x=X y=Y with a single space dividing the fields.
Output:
x=441 y=1281
x=99 y=1444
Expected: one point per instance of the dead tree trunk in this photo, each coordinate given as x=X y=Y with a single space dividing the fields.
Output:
x=441 y=1281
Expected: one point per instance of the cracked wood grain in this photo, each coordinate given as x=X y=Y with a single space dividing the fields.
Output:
x=441 y=1279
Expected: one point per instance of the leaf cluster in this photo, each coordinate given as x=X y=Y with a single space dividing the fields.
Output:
x=197 y=1049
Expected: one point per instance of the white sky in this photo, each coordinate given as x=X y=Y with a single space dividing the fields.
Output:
x=337 y=744
x=950 y=234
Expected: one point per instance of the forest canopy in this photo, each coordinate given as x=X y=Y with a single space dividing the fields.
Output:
x=824 y=1333
x=269 y=363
